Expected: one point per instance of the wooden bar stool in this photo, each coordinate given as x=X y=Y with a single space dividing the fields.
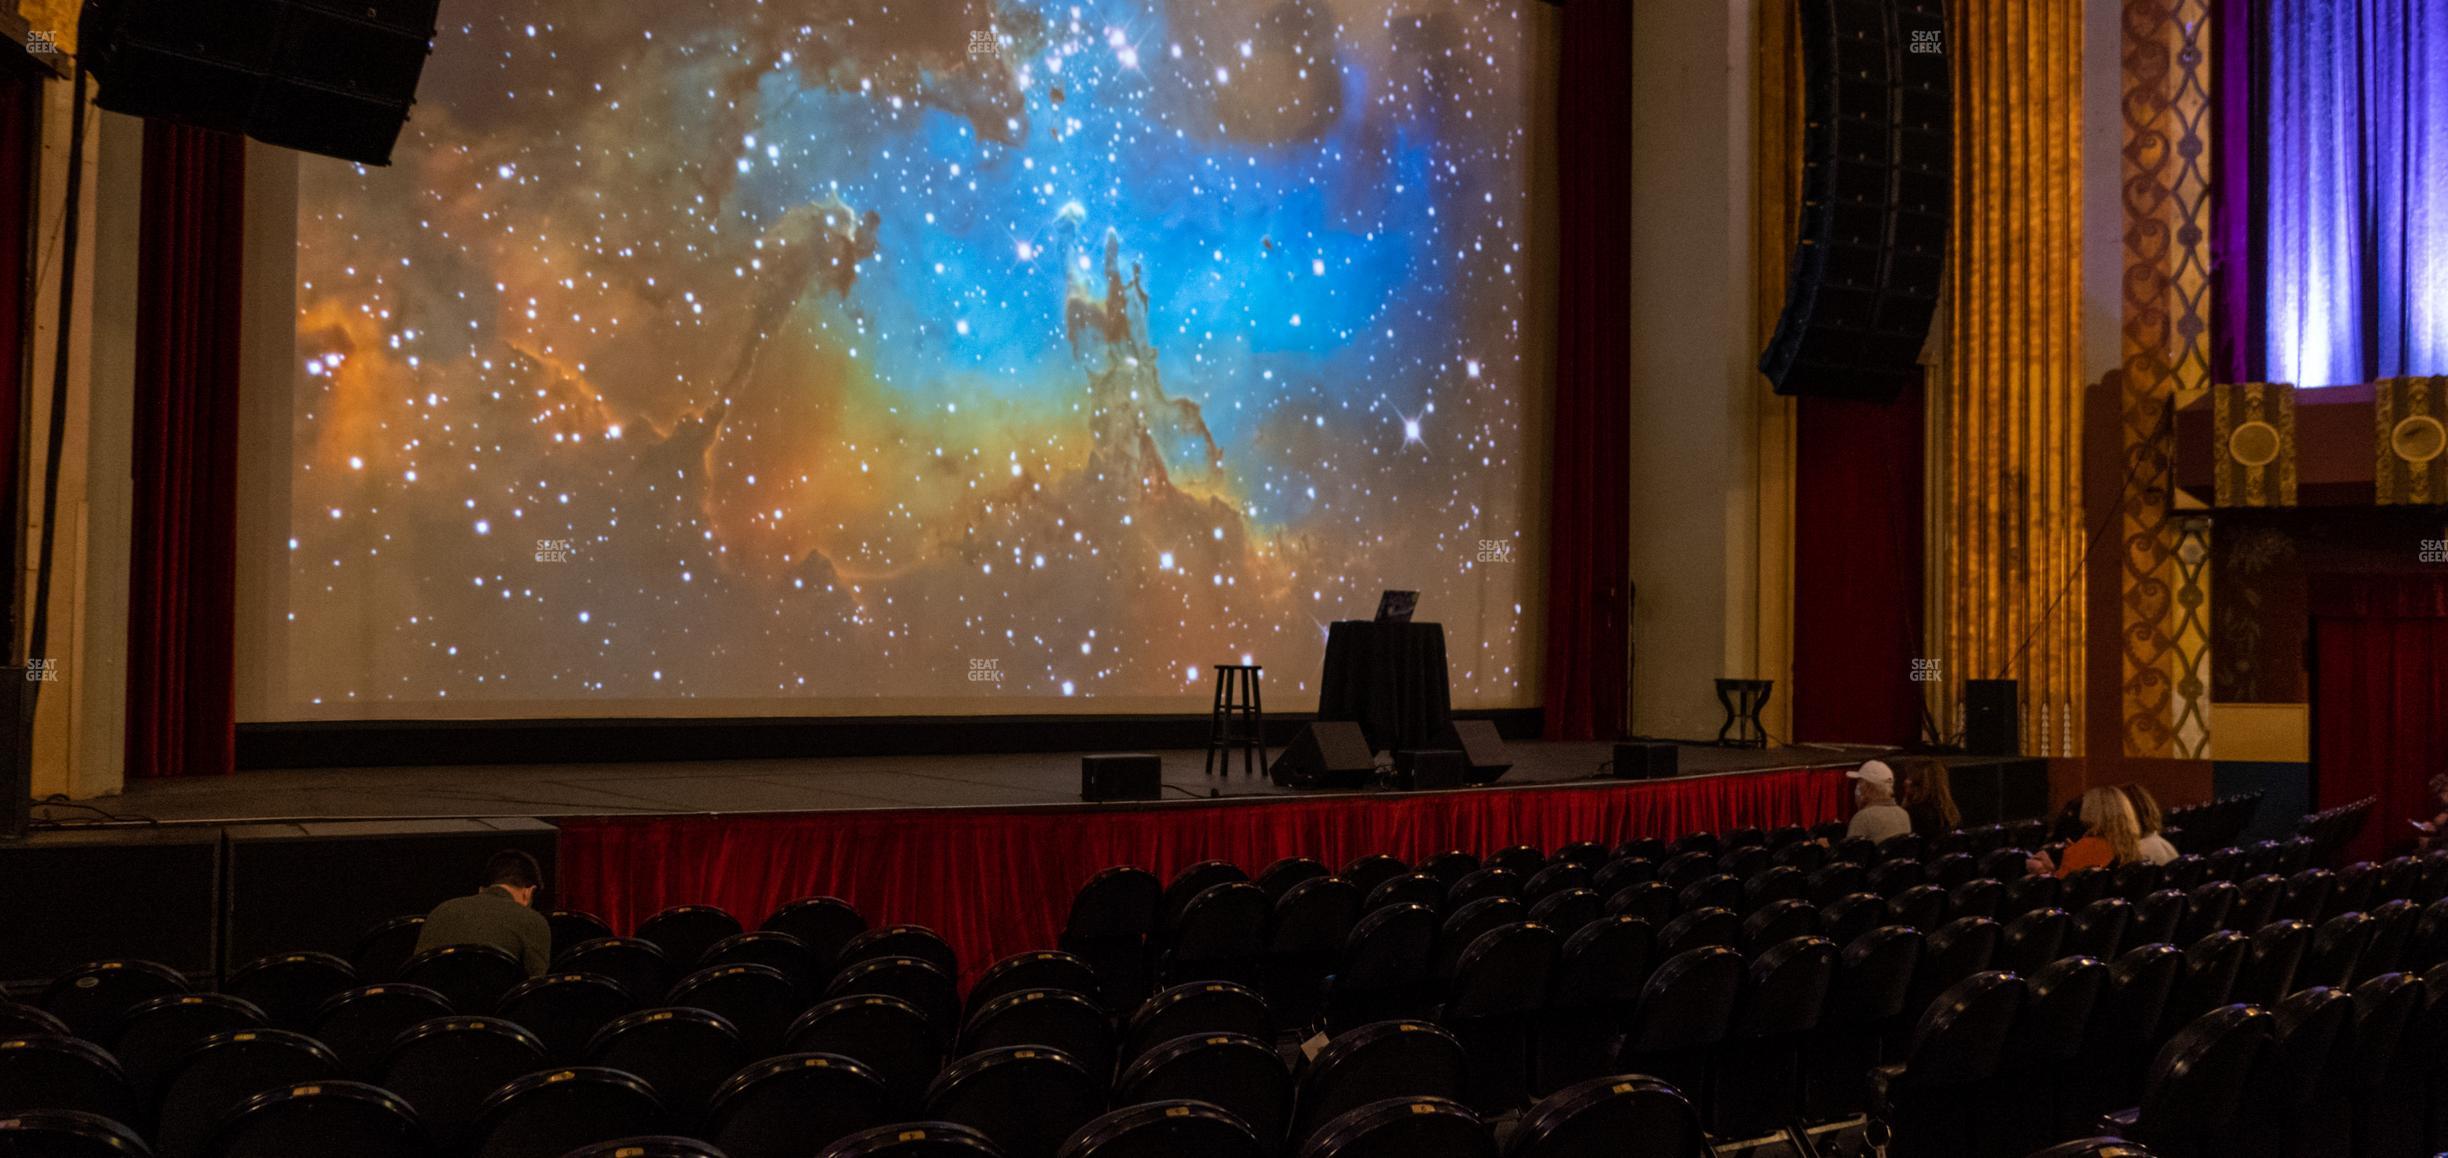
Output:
x=1239 y=722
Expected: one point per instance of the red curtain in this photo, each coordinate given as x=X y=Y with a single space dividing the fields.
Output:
x=183 y=571
x=999 y=881
x=1857 y=570
x=1589 y=534
x=2379 y=699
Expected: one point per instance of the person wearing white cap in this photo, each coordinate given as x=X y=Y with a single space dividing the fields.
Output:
x=1879 y=817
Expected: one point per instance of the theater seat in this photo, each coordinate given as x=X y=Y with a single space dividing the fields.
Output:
x=2296 y=1101
x=48 y=1072
x=67 y=1134
x=1239 y=1073
x=222 y=1073
x=658 y=1146
x=780 y=952
x=471 y=977
x=359 y=1025
x=2156 y=918
x=1303 y=934
x=1611 y=1117
x=1027 y=1098
x=1174 y=1129
x=2098 y=930
x=1108 y=926
x=1921 y=906
x=1874 y=975
x=758 y=1001
x=1568 y=911
x=1684 y=1011
x=1467 y=922
x=1387 y=1059
x=793 y=1105
x=1368 y=872
x=2196 y=1084
x=925 y=986
x=91 y=999
x=382 y=950
x=1403 y=1128
x=1499 y=983
x=1186 y=886
x=1491 y=881
x=571 y=928
x=685 y=932
x=1051 y=1018
x=447 y=1067
x=2049 y=1032
x=1929 y=1099
x=1978 y=897
x=917 y=941
x=1852 y=915
x=2271 y=963
x=823 y=924
x=2206 y=910
x=25 y=1020
x=549 y=1114
x=2029 y=941
x=1278 y=878
x=1383 y=969
x=1553 y=879
x=1201 y=1007
x=1219 y=936
x=564 y=1011
x=1756 y=1084
x=290 y=987
x=1777 y=923
x=886 y=1034
x=335 y=1118
x=152 y=1037
x=1036 y=969
x=640 y=968
x=682 y=1054
x=1416 y=888
x=915 y=1140
x=1597 y=982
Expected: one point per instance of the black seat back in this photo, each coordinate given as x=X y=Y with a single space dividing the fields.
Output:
x=1374 y=1062
x=2139 y=984
x=1785 y=990
x=50 y=1072
x=565 y=1010
x=151 y=1038
x=2207 y=908
x=359 y=1025
x=823 y=924
x=1051 y=1018
x=471 y=977
x=1403 y=1128
x=1506 y=970
x=1688 y=1003
x=1312 y=917
x=778 y=951
x=640 y=968
x=1851 y=916
x=1604 y=964
x=2211 y=966
x=757 y=1000
x=1027 y=1098
x=2031 y=940
x=572 y=927
x=1238 y=1072
x=92 y=998
x=1610 y=1117
x=1651 y=901
x=1962 y=1036
x=2099 y=929
x=1179 y=1128
x=2336 y=955
x=788 y=1106
x=1406 y=889
x=383 y=949
x=1200 y=1007
x=888 y=941
x=1450 y=866
x=1566 y=912
x=1277 y=879
x=1188 y=884
x=683 y=1054
x=1555 y=878
x=290 y=987
x=68 y=1134
x=2058 y=1003
x=685 y=932
x=1035 y=969
x=1779 y=922
x=1491 y=881
x=1468 y=921
x=2271 y=963
x=2156 y=917
x=1368 y=872
x=914 y=1140
x=447 y=1067
x=1874 y=976
x=1698 y=929
x=1978 y=897
x=552 y=1112
x=332 y=1117
x=1220 y=934
x=1921 y=906
x=925 y=986
x=2196 y=1083
x=886 y=1034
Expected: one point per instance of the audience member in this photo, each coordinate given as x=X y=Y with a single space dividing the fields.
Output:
x=1878 y=816
x=2427 y=832
x=501 y=914
x=1925 y=788
x=2110 y=836
x=2150 y=822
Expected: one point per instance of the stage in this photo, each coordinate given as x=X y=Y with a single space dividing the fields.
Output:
x=820 y=784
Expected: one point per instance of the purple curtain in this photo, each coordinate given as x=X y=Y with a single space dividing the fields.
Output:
x=2342 y=127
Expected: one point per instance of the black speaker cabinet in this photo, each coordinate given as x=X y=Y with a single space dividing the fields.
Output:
x=1326 y=754
x=1480 y=746
x=1992 y=720
x=1424 y=769
x=321 y=886
x=1131 y=776
x=16 y=751
x=333 y=77
x=1645 y=761
x=1876 y=186
x=76 y=896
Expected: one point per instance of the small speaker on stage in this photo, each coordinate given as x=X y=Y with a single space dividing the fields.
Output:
x=1326 y=754
x=1645 y=761
x=1421 y=769
x=1480 y=746
x=1992 y=720
x=1121 y=776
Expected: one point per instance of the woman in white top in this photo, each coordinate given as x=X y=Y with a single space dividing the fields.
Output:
x=2154 y=845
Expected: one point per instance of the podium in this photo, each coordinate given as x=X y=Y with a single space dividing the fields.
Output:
x=1389 y=678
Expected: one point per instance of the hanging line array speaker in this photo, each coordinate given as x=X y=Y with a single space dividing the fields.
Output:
x=1877 y=144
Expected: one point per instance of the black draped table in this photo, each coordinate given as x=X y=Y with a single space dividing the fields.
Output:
x=1390 y=679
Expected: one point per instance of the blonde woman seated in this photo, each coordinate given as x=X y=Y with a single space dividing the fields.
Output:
x=2151 y=823
x=2111 y=836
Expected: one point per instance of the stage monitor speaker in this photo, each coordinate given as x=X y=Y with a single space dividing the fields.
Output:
x=1480 y=746
x=1992 y=719
x=1424 y=769
x=1121 y=776
x=321 y=886
x=333 y=77
x=1876 y=200
x=1645 y=761
x=79 y=895
x=1326 y=754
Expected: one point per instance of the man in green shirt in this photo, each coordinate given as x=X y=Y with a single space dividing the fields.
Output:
x=500 y=914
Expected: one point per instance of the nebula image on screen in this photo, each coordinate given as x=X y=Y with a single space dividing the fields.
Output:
x=843 y=356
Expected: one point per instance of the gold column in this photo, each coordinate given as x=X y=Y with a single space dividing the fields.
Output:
x=1776 y=198
x=2162 y=695
x=2005 y=398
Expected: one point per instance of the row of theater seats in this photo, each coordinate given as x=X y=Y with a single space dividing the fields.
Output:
x=934 y=959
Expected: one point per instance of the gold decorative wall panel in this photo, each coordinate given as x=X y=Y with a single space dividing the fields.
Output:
x=2165 y=192
x=2408 y=440
x=2253 y=425
x=2005 y=411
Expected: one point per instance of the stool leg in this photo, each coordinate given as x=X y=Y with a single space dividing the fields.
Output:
x=1258 y=719
x=1215 y=724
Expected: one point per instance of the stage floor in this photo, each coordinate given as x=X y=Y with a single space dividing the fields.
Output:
x=800 y=785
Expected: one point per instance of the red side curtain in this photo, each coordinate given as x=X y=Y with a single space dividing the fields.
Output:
x=999 y=881
x=2379 y=699
x=1857 y=570
x=1589 y=535
x=183 y=571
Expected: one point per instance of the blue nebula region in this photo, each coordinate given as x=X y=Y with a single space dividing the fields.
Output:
x=946 y=356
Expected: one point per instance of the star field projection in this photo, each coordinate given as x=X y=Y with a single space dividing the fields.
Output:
x=913 y=354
